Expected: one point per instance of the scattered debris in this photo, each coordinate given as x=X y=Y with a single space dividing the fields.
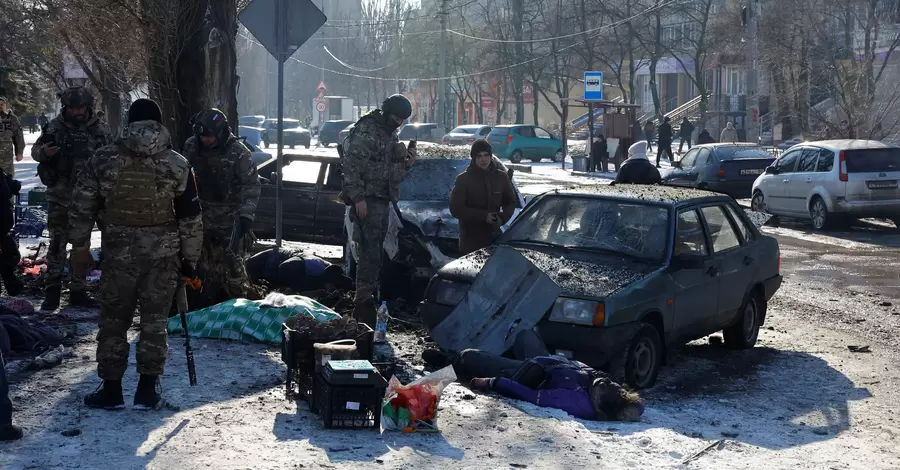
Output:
x=859 y=349
x=468 y=396
x=518 y=465
x=730 y=434
x=886 y=304
x=71 y=432
x=820 y=431
x=718 y=445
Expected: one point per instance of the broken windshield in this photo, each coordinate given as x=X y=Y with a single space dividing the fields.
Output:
x=625 y=227
x=431 y=179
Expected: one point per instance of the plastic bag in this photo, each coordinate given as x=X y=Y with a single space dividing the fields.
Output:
x=413 y=407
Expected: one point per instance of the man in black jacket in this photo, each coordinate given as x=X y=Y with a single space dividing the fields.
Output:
x=685 y=132
x=638 y=169
x=664 y=141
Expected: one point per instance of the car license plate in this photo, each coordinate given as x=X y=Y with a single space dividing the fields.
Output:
x=882 y=184
x=752 y=171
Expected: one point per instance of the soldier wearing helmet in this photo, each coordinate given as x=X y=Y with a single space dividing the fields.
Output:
x=12 y=141
x=61 y=151
x=229 y=190
x=374 y=164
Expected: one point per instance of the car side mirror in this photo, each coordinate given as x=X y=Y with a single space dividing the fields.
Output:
x=688 y=260
x=771 y=170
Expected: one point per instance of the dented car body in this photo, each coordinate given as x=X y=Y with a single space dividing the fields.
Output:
x=640 y=268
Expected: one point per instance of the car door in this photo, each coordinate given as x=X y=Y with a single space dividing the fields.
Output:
x=545 y=144
x=733 y=262
x=775 y=187
x=680 y=176
x=330 y=207
x=528 y=143
x=801 y=185
x=695 y=288
x=700 y=171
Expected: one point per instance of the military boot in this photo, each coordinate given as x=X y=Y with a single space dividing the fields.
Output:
x=148 y=395
x=12 y=283
x=108 y=396
x=80 y=298
x=51 y=299
x=365 y=313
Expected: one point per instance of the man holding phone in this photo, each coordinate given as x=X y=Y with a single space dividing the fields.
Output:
x=483 y=199
x=374 y=164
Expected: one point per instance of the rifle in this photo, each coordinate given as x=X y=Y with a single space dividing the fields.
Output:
x=181 y=301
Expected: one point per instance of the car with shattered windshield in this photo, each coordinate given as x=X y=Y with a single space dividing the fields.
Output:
x=641 y=269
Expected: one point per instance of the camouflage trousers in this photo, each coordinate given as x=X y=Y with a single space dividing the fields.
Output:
x=58 y=226
x=148 y=286
x=8 y=158
x=217 y=261
x=369 y=236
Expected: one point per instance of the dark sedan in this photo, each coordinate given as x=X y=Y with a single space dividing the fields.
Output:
x=328 y=134
x=641 y=268
x=294 y=134
x=724 y=168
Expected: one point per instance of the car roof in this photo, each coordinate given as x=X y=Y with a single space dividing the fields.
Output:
x=847 y=144
x=730 y=144
x=507 y=126
x=660 y=194
x=471 y=126
x=418 y=124
x=337 y=120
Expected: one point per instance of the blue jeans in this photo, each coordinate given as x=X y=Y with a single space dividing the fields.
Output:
x=5 y=404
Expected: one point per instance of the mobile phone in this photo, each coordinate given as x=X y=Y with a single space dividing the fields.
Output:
x=50 y=140
x=412 y=145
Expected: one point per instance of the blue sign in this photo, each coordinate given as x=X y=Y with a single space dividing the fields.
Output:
x=593 y=86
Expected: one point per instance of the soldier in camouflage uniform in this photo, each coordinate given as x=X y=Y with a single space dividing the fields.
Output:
x=152 y=235
x=62 y=150
x=229 y=190
x=12 y=142
x=374 y=165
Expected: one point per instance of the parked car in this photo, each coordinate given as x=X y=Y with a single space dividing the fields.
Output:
x=256 y=120
x=344 y=133
x=328 y=134
x=465 y=135
x=259 y=156
x=831 y=181
x=518 y=141
x=422 y=132
x=294 y=134
x=423 y=235
x=724 y=168
x=252 y=135
x=641 y=268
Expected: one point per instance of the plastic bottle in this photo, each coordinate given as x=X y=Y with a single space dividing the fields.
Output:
x=381 y=322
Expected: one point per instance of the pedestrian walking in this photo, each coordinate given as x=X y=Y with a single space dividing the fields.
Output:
x=12 y=141
x=374 y=165
x=637 y=169
x=229 y=189
x=729 y=134
x=43 y=121
x=152 y=236
x=685 y=132
x=664 y=141
x=649 y=133
x=482 y=200
x=62 y=150
x=599 y=154
x=704 y=138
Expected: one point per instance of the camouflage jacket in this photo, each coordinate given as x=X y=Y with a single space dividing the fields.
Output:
x=143 y=150
x=11 y=133
x=226 y=179
x=371 y=167
x=76 y=142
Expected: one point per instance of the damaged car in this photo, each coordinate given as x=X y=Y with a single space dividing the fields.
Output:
x=422 y=234
x=641 y=269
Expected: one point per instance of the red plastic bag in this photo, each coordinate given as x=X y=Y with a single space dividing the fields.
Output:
x=419 y=400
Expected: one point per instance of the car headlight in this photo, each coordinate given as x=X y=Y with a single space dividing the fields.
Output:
x=582 y=312
x=449 y=292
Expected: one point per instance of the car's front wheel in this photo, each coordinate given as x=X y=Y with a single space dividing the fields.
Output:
x=516 y=157
x=558 y=156
x=758 y=203
x=643 y=357
x=744 y=333
x=818 y=214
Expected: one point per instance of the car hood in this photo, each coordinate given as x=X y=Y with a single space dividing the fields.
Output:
x=578 y=274
x=297 y=131
x=432 y=217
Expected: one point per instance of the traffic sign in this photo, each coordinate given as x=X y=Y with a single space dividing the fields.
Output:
x=320 y=106
x=299 y=18
x=593 y=86
x=321 y=88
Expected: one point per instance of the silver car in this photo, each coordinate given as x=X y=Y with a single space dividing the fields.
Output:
x=832 y=181
x=465 y=135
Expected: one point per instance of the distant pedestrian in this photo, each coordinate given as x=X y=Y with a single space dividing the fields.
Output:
x=685 y=132
x=729 y=134
x=705 y=138
x=638 y=169
x=43 y=121
x=649 y=133
x=12 y=142
x=599 y=154
x=664 y=141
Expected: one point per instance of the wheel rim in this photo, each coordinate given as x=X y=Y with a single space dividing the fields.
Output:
x=749 y=326
x=757 y=204
x=818 y=214
x=644 y=357
x=558 y=156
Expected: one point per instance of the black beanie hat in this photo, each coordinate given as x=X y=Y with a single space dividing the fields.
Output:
x=479 y=146
x=144 y=110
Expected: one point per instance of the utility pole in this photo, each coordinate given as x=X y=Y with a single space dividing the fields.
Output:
x=752 y=93
x=443 y=93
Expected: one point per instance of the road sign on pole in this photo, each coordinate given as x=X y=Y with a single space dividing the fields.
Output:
x=320 y=106
x=281 y=26
x=321 y=88
x=593 y=86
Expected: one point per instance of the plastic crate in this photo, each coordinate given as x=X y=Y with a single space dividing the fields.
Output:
x=348 y=406
x=299 y=356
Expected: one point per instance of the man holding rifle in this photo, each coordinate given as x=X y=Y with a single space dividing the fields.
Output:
x=152 y=236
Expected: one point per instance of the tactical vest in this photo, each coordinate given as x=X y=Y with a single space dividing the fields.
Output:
x=134 y=201
x=6 y=129
x=214 y=181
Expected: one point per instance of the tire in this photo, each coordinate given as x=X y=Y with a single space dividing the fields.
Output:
x=306 y=145
x=758 y=202
x=558 y=156
x=744 y=333
x=536 y=159
x=516 y=157
x=266 y=144
x=643 y=358
x=293 y=145
x=818 y=214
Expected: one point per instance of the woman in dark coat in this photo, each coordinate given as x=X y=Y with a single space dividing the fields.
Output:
x=599 y=154
x=705 y=138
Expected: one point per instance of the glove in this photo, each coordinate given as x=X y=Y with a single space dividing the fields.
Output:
x=482 y=384
x=246 y=226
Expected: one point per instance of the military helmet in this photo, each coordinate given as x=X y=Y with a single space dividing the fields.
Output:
x=211 y=122
x=397 y=105
x=76 y=97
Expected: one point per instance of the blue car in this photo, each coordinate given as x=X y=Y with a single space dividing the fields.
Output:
x=723 y=168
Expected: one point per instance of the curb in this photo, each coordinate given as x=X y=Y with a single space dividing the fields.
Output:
x=518 y=167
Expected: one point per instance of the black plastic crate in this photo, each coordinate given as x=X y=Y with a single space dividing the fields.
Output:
x=347 y=406
x=353 y=373
x=297 y=351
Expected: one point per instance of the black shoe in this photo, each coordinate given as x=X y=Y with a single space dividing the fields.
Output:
x=148 y=395
x=51 y=299
x=10 y=433
x=437 y=358
x=80 y=298
x=108 y=396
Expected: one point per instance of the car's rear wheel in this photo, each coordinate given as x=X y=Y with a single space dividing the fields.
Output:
x=558 y=156
x=643 y=357
x=758 y=202
x=818 y=214
x=744 y=333
x=516 y=157
x=306 y=145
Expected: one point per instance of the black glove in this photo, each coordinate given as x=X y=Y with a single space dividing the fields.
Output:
x=246 y=226
x=187 y=270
